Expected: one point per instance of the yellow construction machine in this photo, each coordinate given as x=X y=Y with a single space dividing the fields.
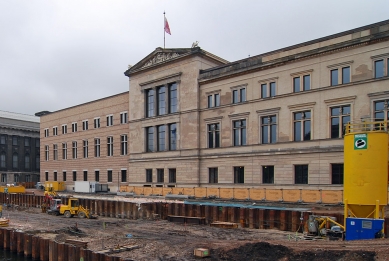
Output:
x=324 y=226
x=72 y=208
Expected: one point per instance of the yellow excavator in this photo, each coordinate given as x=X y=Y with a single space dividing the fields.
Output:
x=324 y=226
x=72 y=208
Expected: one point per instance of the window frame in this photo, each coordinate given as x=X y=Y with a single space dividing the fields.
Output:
x=109 y=146
x=238 y=174
x=74 y=149
x=149 y=175
x=74 y=127
x=160 y=175
x=97 y=147
x=46 y=132
x=85 y=147
x=172 y=175
x=64 y=150
x=124 y=117
x=96 y=123
x=304 y=179
x=239 y=90
x=85 y=124
x=55 y=131
x=213 y=99
x=216 y=135
x=267 y=83
x=109 y=120
x=338 y=177
x=340 y=116
x=301 y=76
x=385 y=60
x=55 y=151
x=47 y=156
x=123 y=144
x=64 y=128
x=213 y=175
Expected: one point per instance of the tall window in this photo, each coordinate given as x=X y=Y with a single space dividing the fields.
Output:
x=97 y=148
x=340 y=116
x=85 y=125
x=173 y=101
x=301 y=174
x=27 y=142
x=214 y=135
x=379 y=68
x=46 y=152
x=238 y=174
x=268 y=174
x=149 y=175
x=64 y=129
x=2 y=160
x=269 y=129
x=337 y=173
x=109 y=146
x=381 y=110
x=161 y=138
x=55 y=151
x=172 y=136
x=15 y=161
x=160 y=175
x=344 y=77
x=123 y=145
x=214 y=100
x=64 y=151
x=55 y=131
x=172 y=175
x=46 y=132
x=55 y=176
x=213 y=175
x=239 y=95
x=85 y=175
x=302 y=83
x=15 y=140
x=302 y=125
x=268 y=90
x=74 y=127
x=123 y=117
x=124 y=175
x=2 y=139
x=109 y=175
x=96 y=123
x=149 y=103
x=64 y=175
x=85 y=148
x=239 y=132
x=161 y=99
x=150 y=139
x=4 y=178
x=74 y=149
x=46 y=175
x=109 y=120
x=97 y=175
x=27 y=161
x=74 y=175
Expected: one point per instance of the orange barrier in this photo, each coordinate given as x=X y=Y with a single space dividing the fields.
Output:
x=200 y=192
x=273 y=194
x=311 y=196
x=241 y=193
x=166 y=191
x=139 y=191
x=332 y=196
x=213 y=192
x=147 y=191
x=291 y=195
x=257 y=194
x=177 y=190
x=226 y=193
x=189 y=191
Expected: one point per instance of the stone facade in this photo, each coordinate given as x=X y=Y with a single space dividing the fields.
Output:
x=19 y=148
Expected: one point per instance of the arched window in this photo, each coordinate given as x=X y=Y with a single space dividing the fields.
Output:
x=2 y=160
x=15 y=160
x=27 y=161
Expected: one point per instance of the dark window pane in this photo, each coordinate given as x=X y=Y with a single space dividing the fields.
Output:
x=209 y=101
x=210 y=139
x=346 y=110
x=307 y=82
x=346 y=75
x=236 y=137
x=161 y=100
x=217 y=139
x=268 y=174
x=265 y=135
x=264 y=90
x=172 y=98
x=296 y=84
x=307 y=130
x=243 y=95
x=243 y=136
x=150 y=103
x=161 y=138
x=297 y=131
x=273 y=133
x=379 y=69
x=335 y=127
x=272 y=89
x=334 y=77
x=217 y=100
x=235 y=96
x=173 y=137
x=238 y=174
x=337 y=173
x=335 y=111
x=150 y=139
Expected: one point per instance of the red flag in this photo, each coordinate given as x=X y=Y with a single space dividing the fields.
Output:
x=167 y=28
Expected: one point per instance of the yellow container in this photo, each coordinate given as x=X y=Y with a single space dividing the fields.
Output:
x=55 y=185
x=365 y=172
x=13 y=189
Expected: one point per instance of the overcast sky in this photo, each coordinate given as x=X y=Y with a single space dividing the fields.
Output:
x=56 y=54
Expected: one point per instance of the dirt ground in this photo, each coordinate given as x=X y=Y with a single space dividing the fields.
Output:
x=163 y=240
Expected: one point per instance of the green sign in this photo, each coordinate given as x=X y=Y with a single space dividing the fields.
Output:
x=360 y=141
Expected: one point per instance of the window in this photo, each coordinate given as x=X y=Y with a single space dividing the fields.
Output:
x=97 y=175
x=172 y=97
x=123 y=145
x=269 y=129
x=97 y=148
x=214 y=100
x=334 y=77
x=46 y=132
x=74 y=149
x=109 y=146
x=64 y=175
x=172 y=136
x=268 y=90
x=239 y=95
x=74 y=127
x=109 y=120
x=27 y=142
x=161 y=138
x=85 y=172
x=55 y=152
x=37 y=162
x=344 y=77
x=16 y=178
x=340 y=116
x=37 y=143
x=2 y=160
x=161 y=100
x=96 y=122
x=160 y=175
x=239 y=132
x=302 y=83
x=74 y=175
x=172 y=175
x=124 y=175
x=149 y=103
x=85 y=125
x=85 y=148
x=379 y=68
x=381 y=110
x=55 y=176
x=268 y=174
x=64 y=129
x=46 y=176
x=150 y=139
x=337 y=173
x=55 y=131
x=238 y=174
x=213 y=175
x=28 y=178
x=149 y=175
x=109 y=175
x=302 y=126
x=64 y=151
x=15 y=140
x=15 y=161
x=2 y=139
x=4 y=178
x=301 y=174
x=214 y=135
x=46 y=152
x=123 y=117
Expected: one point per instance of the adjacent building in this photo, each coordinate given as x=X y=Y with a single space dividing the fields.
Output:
x=196 y=120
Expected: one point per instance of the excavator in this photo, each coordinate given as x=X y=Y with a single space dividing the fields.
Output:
x=324 y=226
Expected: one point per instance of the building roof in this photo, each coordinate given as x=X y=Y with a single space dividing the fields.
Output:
x=19 y=116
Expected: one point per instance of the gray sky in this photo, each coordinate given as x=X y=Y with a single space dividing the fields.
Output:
x=60 y=53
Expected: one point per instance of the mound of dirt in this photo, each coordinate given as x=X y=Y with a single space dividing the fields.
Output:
x=263 y=251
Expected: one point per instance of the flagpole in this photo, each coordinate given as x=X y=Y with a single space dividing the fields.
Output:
x=164 y=30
